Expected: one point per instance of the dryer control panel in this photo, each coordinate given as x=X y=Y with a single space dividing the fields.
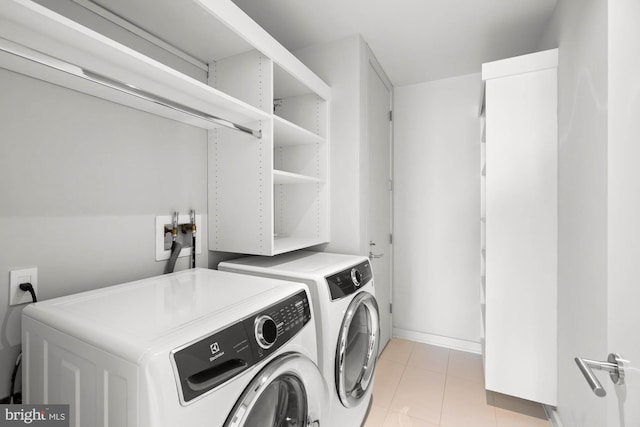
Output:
x=211 y=361
x=350 y=280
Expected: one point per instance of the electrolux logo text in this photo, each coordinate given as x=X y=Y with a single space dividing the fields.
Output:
x=36 y=415
x=214 y=348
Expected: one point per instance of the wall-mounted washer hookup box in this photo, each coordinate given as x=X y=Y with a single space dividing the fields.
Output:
x=163 y=239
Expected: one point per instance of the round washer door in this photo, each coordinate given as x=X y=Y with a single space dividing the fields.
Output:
x=357 y=349
x=289 y=391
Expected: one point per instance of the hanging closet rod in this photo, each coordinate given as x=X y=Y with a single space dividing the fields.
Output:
x=57 y=64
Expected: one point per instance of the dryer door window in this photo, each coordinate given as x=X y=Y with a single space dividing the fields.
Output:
x=357 y=349
x=289 y=391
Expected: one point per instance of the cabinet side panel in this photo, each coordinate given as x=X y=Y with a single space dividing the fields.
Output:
x=247 y=77
x=241 y=191
x=521 y=236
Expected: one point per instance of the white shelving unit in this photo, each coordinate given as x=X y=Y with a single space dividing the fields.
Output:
x=41 y=43
x=519 y=204
x=281 y=203
x=207 y=64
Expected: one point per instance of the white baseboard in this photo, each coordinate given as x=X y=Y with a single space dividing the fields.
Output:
x=553 y=416
x=448 y=342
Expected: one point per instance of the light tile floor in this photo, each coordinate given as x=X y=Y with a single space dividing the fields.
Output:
x=420 y=385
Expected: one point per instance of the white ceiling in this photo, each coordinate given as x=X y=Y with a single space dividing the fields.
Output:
x=414 y=40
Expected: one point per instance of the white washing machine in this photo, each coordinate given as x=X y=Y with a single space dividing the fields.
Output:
x=194 y=348
x=347 y=321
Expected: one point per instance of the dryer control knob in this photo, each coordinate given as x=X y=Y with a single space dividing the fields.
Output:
x=266 y=331
x=356 y=277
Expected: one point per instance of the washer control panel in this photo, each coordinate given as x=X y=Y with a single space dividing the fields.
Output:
x=211 y=361
x=350 y=280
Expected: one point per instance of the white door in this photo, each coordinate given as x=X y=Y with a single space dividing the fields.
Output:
x=379 y=220
x=623 y=219
x=623 y=402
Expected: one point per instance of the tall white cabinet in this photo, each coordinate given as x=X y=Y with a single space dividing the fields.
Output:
x=520 y=226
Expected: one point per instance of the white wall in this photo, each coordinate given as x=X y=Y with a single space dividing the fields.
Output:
x=81 y=181
x=579 y=29
x=437 y=211
x=341 y=64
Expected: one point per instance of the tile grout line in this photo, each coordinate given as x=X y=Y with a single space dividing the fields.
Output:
x=393 y=395
x=406 y=364
x=444 y=390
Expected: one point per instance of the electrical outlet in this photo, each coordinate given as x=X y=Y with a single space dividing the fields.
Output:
x=16 y=278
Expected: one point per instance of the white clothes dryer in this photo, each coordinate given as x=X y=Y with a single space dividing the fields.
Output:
x=347 y=321
x=198 y=348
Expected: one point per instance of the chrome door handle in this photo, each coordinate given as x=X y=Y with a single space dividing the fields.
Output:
x=614 y=365
x=371 y=254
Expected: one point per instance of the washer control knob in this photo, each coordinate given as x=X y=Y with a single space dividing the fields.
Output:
x=356 y=277
x=266 y=331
